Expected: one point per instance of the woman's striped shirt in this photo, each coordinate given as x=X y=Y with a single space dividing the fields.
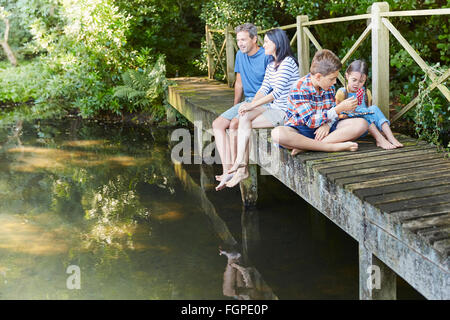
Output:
x=279 y=82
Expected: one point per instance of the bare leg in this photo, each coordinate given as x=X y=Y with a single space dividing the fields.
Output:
x=232 y=146
x=347 y=130
x=252 y=120
x=387 y=131
x=380 y=139
x=244 y=132
x=219 y=126
x=290 y=138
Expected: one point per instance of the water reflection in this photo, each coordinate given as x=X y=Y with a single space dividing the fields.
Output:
x=241 y=280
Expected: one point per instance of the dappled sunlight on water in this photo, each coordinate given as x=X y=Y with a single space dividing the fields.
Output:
x=22 y=235
x=30 y=159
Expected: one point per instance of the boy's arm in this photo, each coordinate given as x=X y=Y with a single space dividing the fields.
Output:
x=299 y=105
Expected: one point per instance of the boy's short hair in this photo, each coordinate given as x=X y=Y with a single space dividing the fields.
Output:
x=325 y=62
x=249 y=27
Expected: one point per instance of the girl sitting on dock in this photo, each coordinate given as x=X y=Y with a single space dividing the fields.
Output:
x=268 y=107
x=356 y=76
x=313 y=122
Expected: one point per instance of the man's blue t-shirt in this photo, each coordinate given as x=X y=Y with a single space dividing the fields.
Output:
x=252 y=70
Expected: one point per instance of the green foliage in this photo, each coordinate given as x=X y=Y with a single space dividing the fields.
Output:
x=144 y=88
x=432 y=114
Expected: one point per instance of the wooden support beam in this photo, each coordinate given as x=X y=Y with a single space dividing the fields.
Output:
x=231 y=77
x=380 y=58
x=210 y=58
x=319 y=47
x=422 y=64
x=416 y=99
x=358 y=42
x=302 y=46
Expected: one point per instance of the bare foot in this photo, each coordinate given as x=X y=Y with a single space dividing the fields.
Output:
x=240 y=175
x=395 y=142
x=346 y=146
x=385 y=145
x=296 y=151
x=225 y=178
x=350 y=146
x=235 y=167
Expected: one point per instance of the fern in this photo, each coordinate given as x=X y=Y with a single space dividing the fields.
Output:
x=144 y=89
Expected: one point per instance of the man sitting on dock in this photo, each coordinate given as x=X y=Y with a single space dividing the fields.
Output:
x=250 y=68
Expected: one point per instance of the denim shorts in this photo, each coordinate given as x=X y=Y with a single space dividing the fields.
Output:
x=309 y=132
x=232 y=113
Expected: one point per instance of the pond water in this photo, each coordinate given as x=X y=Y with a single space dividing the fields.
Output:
x=98 y=211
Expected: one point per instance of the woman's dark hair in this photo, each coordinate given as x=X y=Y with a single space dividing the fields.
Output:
x=282 y=45
x=357 y=66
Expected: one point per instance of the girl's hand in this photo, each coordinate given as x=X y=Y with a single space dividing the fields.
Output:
x=348 y=104
x=322 y=132
x=243 y=108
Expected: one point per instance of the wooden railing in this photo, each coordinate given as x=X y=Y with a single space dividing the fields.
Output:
x=377 y=23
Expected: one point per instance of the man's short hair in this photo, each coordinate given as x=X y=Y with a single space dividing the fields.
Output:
x=325 y=62
x=249 y=27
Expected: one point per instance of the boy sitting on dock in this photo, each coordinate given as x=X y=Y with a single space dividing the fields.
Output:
x=313 y=122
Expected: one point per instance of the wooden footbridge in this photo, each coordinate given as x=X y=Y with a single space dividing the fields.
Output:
x=395 y=203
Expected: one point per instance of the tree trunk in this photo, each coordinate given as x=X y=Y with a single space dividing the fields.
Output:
x=9 y=53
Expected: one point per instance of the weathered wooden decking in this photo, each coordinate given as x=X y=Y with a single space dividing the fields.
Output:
x=395 y=203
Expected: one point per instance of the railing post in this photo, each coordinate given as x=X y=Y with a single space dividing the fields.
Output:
x=380 y=58
x=210 y=58
x=302 y=46
x=231 y=77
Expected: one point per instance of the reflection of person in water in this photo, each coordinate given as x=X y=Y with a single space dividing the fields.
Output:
x=243 y=283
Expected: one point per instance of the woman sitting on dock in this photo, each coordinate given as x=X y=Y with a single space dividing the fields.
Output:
x=268 y=108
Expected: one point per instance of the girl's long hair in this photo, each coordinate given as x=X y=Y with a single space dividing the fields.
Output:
x=282 y=45
x=362 y=67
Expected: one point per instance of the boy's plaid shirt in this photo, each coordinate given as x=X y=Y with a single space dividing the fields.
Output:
x=308 y=107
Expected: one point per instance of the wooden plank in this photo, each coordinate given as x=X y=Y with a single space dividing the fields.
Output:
x=386 y=169
x=358 y=42
x=409 y=194
x=415 y=13
x=442 y=246
x=370 y=158
x=286 y=27
x=316 y=157
x=340 y=19
x=380 y=164
x=421 y=212
x=416 y=57
x=427 y=222
x=410 y=185
x=414 y=203
x=392 y=175
x=433 y=234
